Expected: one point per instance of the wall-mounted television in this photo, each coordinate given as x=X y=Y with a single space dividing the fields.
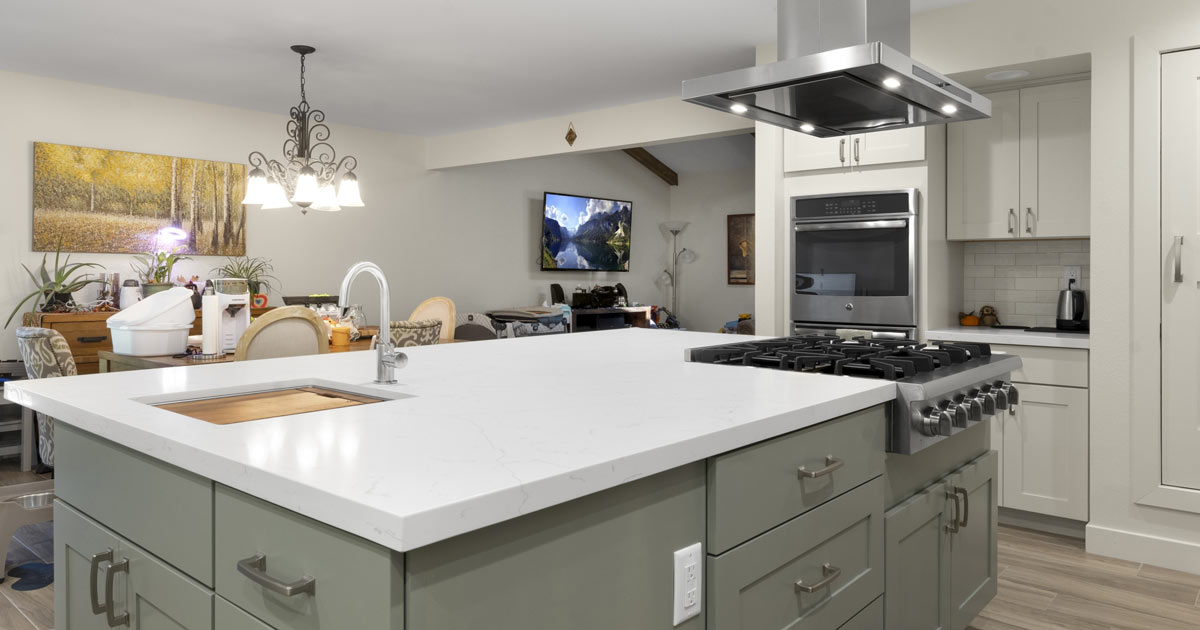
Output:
x=585 y=233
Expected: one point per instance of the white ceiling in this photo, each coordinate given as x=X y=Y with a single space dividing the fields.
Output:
x=712 y=155
x=423 y=67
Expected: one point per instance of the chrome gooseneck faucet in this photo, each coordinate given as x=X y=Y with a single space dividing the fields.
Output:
x=389 y=357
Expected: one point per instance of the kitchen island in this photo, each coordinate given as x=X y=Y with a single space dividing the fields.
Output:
x=526 y=483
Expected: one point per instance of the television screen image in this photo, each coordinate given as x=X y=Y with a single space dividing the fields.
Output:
x=585 y=233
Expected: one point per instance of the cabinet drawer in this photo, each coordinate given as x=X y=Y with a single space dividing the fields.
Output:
x=754 y=587
x=869 y=618
x=163 y=509
x=230 y=617
x=355 y=583
x=1066 y=367
x=779 y=491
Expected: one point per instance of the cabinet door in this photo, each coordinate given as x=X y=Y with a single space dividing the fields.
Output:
x=996 y=427
x=973 y=569
x=889 y=147
x=1056 y=127
x=917 y=562
x=1046 y=452
x=76 y=540
x=159 y=597
x=984 y=173
x=802 y=152
x=1181 y=295
x=230 y=617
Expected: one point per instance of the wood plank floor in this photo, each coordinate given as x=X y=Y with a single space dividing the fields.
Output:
x=26 y=610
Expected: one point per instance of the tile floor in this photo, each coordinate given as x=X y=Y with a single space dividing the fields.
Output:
x=26 y=610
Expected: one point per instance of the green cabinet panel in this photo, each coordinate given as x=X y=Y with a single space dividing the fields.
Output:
x=918 y=562
x=600 y=562
x=163 y=509
x=230 y=617
x=754 y=586
x=779 y=493
x=973 y=568
x=869 y=618
x=153 y=595
x=359 y=584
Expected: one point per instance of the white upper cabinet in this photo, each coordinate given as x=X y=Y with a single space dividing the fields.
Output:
x=983 y=173
x=802 y=152
x=1025 y=172
x=1056 y=123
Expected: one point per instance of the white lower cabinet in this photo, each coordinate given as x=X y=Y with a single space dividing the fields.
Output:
x=1046 y=452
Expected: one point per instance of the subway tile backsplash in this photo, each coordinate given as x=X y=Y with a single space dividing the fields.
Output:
x=1021 y=278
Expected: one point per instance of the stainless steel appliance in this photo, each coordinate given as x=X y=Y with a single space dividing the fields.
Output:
x=1072 y=308
x=854 y=261
x=942 y=390
x=843 y=68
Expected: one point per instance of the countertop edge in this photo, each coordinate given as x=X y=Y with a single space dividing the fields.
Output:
x=1012 y=338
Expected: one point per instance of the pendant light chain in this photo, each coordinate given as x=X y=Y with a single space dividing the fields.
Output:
x=303 y=98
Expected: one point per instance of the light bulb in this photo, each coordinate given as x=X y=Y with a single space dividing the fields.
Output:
x=306 y=187
x=256 y=188
x=347 y=196
x=738 y=108
x=275 y=197
x=891 y=83
x=326 y=199
x=807 y=128
x=950 y=108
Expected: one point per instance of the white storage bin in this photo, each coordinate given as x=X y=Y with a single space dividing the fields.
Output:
x=150 y=340
x=157 y=325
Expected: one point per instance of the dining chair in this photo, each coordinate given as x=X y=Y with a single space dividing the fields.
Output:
x=421 y=332
x=440 y=308
x=47 y=355
x=288 y=331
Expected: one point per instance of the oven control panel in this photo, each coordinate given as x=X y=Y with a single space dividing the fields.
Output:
x=853 y=205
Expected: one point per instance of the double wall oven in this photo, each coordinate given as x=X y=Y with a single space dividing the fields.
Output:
x=854 y=263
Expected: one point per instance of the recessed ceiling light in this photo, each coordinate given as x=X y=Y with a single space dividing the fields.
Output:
x=950 y=108
x=1006 y=75
x=807 y=128
x=891 y=83
x=738 y=108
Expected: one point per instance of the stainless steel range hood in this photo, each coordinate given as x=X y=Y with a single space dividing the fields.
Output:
x=844 y=68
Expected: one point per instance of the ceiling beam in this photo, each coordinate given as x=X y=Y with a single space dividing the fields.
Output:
x=647 y=159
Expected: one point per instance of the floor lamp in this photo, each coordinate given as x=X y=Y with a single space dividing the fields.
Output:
x=672 y=274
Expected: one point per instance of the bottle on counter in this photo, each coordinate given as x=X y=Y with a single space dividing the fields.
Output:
x=210 y=316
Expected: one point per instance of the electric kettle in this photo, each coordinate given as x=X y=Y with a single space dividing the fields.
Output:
x=1072 y=308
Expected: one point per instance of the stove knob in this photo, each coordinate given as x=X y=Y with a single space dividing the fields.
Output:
x=1001 y=398
x=969 y=407
x=986 y=402
x=1011 y=391
x=935 y=421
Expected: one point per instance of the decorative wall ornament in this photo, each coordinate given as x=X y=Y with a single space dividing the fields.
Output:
x=571 y=135
x=306 y=178
x=740 y=248
x=103 y=201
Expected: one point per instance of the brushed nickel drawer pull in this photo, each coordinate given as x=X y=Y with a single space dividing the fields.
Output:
x=831 y=464
x=91 y=339
x=830 y=572
x=966 y=504
x=114 y=621
x=954 y=520
x=1179 y=259
x=255 y=568
x=94 y=578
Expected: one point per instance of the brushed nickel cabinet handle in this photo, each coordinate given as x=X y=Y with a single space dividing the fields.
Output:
x=1012 y=221
x=114 y=621
x=830 y=574
x=1029 y=220
x=966 y=512
x=842 y=150
x=1178 y=259
x=857 y=159
x=953 y=526
x=831 y=464
x=255 y=568
x=94 y=579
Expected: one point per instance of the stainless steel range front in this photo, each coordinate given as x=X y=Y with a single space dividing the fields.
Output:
x=854 y=261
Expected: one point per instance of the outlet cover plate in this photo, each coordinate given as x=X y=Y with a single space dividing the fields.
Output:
x=1075 y=273
x=689 y=583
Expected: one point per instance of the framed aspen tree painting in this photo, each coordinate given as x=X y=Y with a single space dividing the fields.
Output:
x=103 y=201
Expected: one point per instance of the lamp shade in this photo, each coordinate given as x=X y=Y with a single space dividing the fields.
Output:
x=306 y=187
x=275 y=197
x=347 y=195
x=673 y=226
x=256 y=188
x=326 y=199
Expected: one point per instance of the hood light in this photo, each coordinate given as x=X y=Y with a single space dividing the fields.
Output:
x=807 y=128
x=891 y=83
x=738 y=108
x=950 y=108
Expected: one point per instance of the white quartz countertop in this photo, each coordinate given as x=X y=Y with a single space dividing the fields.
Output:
x=493 y=429
x=1009 y=336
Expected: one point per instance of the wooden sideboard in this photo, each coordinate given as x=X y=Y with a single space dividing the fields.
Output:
x=87 y=333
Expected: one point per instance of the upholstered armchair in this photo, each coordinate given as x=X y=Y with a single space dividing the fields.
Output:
x=46 y=355
x=420 y=332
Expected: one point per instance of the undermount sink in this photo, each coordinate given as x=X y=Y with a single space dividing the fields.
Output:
x=269 y=400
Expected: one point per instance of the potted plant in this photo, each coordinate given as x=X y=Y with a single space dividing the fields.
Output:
x=257 y=273
x=154 y=268
x=56 y=286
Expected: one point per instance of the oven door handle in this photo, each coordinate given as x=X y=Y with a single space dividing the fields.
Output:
x=852 y=225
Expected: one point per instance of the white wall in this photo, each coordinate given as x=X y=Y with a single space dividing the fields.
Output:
x=706 y=299
x=470 y=233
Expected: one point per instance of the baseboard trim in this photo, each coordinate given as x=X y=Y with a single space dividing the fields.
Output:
x=1156 y=550
x=1042 y=523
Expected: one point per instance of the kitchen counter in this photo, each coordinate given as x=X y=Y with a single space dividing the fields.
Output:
x=493 y=430
x=1009 y=336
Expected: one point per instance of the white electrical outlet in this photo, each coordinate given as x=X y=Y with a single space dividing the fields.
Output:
x=689 y=582
x=1073 y=273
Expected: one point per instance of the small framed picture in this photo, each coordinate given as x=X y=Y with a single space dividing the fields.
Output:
x=740 y=246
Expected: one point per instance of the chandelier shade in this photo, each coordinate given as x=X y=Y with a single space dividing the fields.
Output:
x=310 y=168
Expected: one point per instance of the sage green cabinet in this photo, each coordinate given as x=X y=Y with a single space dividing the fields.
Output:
x=230 y=617
x=869 y=618
x=146 y=594
x=941 y=551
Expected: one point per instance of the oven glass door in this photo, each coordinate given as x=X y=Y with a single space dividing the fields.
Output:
x=853 y=258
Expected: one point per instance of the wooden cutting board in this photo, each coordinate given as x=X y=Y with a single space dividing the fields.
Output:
x=262 y=405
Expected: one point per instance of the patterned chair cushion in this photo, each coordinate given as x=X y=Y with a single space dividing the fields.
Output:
x=46 y=355
x=420 y=332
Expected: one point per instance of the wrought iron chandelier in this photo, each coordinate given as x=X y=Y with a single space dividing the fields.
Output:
x=306 y=178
